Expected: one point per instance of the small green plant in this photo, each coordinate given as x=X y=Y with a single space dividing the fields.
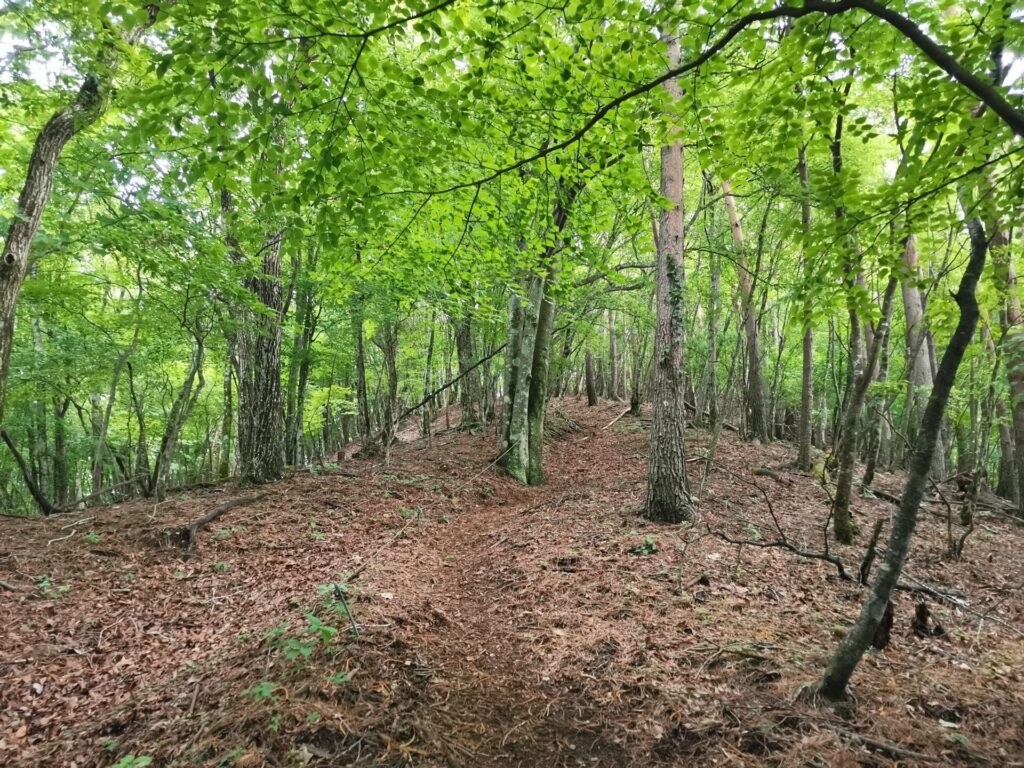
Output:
x=263 y=691
x=340 y=678
x=111 y=745
x=221 y=533
x=649 y=547
x=133 y=761
x=314 y=533
x=49 y=590
x=221 y=567
x=92 y=537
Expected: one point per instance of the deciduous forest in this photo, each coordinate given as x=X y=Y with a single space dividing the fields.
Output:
x=511 y=383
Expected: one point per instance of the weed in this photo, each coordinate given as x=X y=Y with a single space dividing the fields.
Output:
x=314 y=533
x=649 y=547
x=49 y=590
x=339 y=678
x=133 y=761
x=111 y=745
x=92 y=537
x=264 y=691
x=222 y=567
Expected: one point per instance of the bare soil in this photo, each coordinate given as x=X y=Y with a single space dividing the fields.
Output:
x=498 y=625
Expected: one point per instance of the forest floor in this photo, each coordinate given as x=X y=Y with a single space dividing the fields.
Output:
x=498 y=625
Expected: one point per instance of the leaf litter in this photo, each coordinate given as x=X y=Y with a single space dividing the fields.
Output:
x=492 y=624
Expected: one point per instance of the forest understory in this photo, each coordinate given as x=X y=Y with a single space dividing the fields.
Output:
x=500 y=624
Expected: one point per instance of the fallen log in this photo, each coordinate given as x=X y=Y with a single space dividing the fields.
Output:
x=185 y=537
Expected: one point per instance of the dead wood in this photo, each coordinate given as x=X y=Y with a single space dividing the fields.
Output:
x=186 y=536
x=888 y=748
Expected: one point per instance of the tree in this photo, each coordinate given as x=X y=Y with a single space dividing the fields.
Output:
x=668 y=497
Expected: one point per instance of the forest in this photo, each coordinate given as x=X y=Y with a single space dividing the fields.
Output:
x=511 y=382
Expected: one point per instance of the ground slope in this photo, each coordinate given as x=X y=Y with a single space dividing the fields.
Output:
x=498 y=625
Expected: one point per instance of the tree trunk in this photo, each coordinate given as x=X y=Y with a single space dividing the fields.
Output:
x=528 y=353
x=469 y=386
x=878 y=409
x=614 y=383
x=260 y=422
x=668 y=496
x=1013 y=350
x=428 y=406
x=756 y=418
x=61 y=492
x=846 y=451
x=588 y=366
x=87 y=107
x=538 y=404
x=180 y=411
x=852 y=648
x=807 y=350
x=386 y=340
x=224 y=467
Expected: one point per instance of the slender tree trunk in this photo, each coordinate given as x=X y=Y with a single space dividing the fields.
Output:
x=224 y=468
x=61 y=494
x=613 y=360
x=878 y=409
x=1012 y=346
x=756 y=418
x=386 y=340
x=469 y=386
x=180 y=411
x=260 y=422
x=807 y=347
x=428 y=408
x=846 y=450
x=668 y=496
x=851 y=649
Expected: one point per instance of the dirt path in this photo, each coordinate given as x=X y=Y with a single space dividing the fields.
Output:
x=505 y=626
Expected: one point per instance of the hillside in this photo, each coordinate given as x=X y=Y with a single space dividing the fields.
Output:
x=498 y=625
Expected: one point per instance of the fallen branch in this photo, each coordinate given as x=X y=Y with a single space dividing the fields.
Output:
x=187 y=535
x=784 y=544
x=612 y=422
x=888 y=748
